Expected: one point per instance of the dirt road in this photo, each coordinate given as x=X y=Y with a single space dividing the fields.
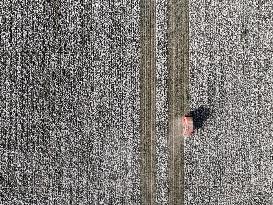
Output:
x=177 y=82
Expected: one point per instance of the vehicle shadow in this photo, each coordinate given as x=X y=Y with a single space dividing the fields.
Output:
x=200 y=116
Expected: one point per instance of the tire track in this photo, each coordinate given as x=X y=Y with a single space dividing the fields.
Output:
x=147 y=101
x=177 y=94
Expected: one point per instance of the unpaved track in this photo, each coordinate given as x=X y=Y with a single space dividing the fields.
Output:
x=177 y=94
x=147 y=101
x=177 y=63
